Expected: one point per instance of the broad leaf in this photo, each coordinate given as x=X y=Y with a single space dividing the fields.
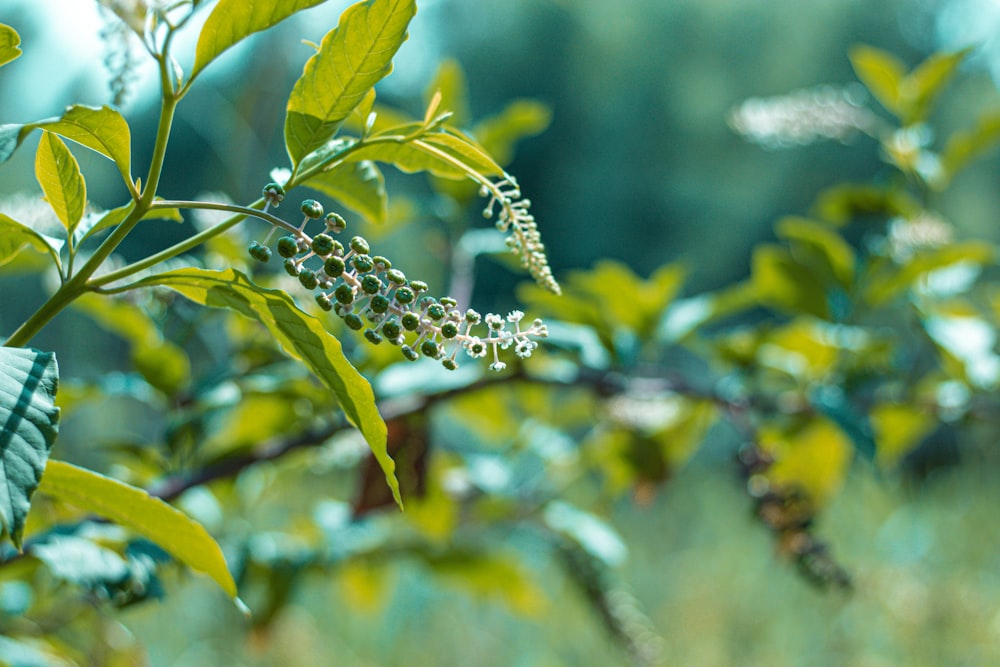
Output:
x=964 y=146
x=814 y=457
x=29 y=422
x=15 y=236
x=924 y=83
x=359 y=186
x=95 y=222
x=818 y=247
x=58 y=172
x=100 y=129
x=519 y=119
x=881 y=72
x=9 y=39
x=785 y=284
x=129 y=506
x=449 y=81
x=352 y=58
x=444 y=154
x=301 y=336
x=233 y=20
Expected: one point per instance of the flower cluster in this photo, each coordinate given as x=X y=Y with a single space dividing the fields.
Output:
x=802 y=117
x=368 y=294
x=524 y=238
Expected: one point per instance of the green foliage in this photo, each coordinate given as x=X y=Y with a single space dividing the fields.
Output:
x=9 y=40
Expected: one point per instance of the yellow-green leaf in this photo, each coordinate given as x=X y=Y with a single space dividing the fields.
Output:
x=59 y=175
x=352 y=58
x=881 y=72
x=449 y=81
x=783 y=283
x=9 y=40
x=899 y=428
x=231 y=21
x=129 y=506
x=499 y=134
x=15 y=236
x=922 y=85
x=814 y=457
x=964 y=146
x=359 y=186
x=820 y=248
x=300 y=336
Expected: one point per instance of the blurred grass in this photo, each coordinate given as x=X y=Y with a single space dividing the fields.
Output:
x=925 y=565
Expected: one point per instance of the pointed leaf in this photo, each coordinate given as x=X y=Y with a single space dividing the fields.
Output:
x=29 y=422
x=95 y=222
x=964 y=146
x=15 y=236
x=129 y=506
x=9 y=39
x=59 y=175
x=359 y=186
x=233 y=20
x=440 y=153
x=99 y=129
x=450 y=82
x=300 y=336
x=922 y=86
x=352 y=58
x=881 y=72
x=521 y=118
x=820 y=248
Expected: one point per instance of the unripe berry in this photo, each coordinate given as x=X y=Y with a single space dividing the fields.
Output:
x=448 y=302
x=312 y=209
x=391 y=330
x=308 y=279
x=436 y=311
x=334 y=267
x=273 y=193
x=335 y=223
x=322 y=245
x=379 y=304
x=404 y=295
x=409 y=353
x=472 y=317
x=291 y=268
x=362 y=263
x=371 y=284
x=259 y=252
x=288 y=246
x=324 y=301
x=360 y=245
x=344 y=294
x=382 y=263
x=395 y=276
x=418 y=286
x=430 y=349
x=353 y=321
x=373 y=336
x=410 y=321
x=449 y=364
x=449 y=330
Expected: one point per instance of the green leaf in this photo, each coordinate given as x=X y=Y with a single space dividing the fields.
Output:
x=352 y=58
x=783 y=283
x=359 y=186
x=15 y=236
x=885 y=285
x=129 y=506
x=96 y=222
x=59 y=175
x=233 y=20
x=99 y=129
x=820 y=248
x=919 y=89
x=29 y=422
x=440 y=153
x=301 y=336
x=499 y=134
x=964 y=146
x=450 y=82
x=881 y=72
x=9 y=39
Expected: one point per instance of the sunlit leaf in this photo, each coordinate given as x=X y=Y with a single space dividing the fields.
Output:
x=814 y=457
x=15 y=236
x=29 y=422
x=490 y=575
x=359 y=186
x=231 y=21
x=885 y=285
x=96 y=222
x=919 y=89
x=352 y=58
x=9 y=40
x=300 y=335
x=964 y=146
x=820 y=248
x=783 y=283
x=881 y=72
x=899 y=428
x=519 y=119
x=59 y=175
x=449 y=81
x=172 y=530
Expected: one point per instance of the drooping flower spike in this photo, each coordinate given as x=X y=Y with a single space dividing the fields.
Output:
x=367 y=293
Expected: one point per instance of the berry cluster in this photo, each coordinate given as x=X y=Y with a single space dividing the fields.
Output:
x=367 y=293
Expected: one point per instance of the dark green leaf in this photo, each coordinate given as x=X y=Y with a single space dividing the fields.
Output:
x=9 y=40
x=58 y=173
x=821 y=249
x=832 y=402
x=352 y=58
x=300 y=335
x=783 y=283
x=29 y=422
x=233 y=20
x=359 y=186
x=180 y=536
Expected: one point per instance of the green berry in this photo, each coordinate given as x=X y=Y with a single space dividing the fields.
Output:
x=449 y=364
x=335 y=223
x=344 y=294
x=395 y=276
x=373 y=336
x=404 y=295
x=409 y=353
x=322 y=244
x=371 y=284
x=334 y=267
x=381 y=263
x=274 y=193
x=430 y=349
x=353 y=321
x=379 y=304
x=308 y=279
x=291 y=268
x=324 y=301
x=472 y=317
x=259 y=252
x=312 y=209
x=288 y=246
x=449 y=330
x=448 y=302
x=410 y=321
x=391 y=330
x=362 y=263
x=436 y=311
x=360 y=245
x=418 y=286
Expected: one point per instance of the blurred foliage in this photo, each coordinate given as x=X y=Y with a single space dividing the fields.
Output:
x=840 y=385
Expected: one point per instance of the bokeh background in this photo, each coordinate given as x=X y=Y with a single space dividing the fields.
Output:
x=638 y=164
